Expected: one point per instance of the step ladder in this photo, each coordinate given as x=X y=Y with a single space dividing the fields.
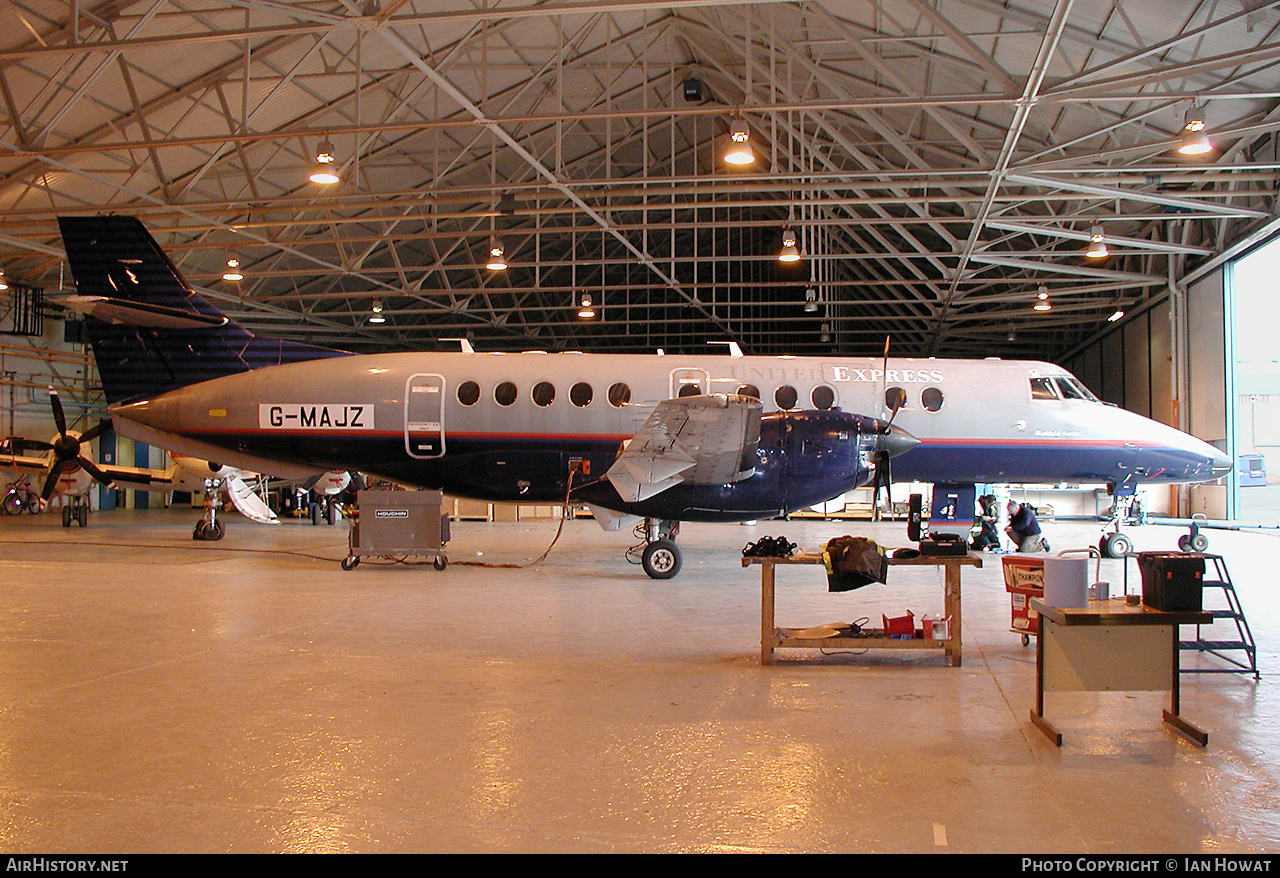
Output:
x=1237 y=649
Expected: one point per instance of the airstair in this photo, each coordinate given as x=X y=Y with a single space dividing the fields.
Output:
x=1236 y=647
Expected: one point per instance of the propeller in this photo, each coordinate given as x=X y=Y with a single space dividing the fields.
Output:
x=66 y=448
x=885 y=447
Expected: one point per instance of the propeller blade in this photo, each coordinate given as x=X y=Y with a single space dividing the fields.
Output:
x=95 y=431
x=58 y=417
x=888 y=479
x=92 y=469
x=51 y=480
x=17 y=445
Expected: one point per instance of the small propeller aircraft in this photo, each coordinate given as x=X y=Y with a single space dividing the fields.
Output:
x=649 y=440
x=69 y=470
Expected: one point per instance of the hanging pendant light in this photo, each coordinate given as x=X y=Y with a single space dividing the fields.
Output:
x=497 y=256
x=325 y=171
x=739 y=151
x=1042 y=300
x=232 y=272
x=1195 y=137
x=790 y=252
x=1097 y=248
x=376 y=316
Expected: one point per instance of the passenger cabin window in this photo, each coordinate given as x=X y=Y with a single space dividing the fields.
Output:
x=823 y=397
x=895 y=398
x=932 y=399
x=505 y=393
x=581 y=394
x=749 y=390
x=785 y=397
x=468 y=393
x=544 y=393
x=619 y=395
x=1042 y=388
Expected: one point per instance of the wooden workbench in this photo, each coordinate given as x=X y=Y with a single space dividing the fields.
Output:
x=772 y=637
x=1111 y=646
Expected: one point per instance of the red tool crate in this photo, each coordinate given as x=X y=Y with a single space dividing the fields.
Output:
x=1024 y=580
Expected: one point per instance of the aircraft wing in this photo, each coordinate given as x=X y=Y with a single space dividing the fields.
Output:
x=139 y=478
x=24 y=464
x=695 y=440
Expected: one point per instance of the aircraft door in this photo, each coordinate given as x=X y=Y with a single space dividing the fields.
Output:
x=689 y=382
x=424 y=416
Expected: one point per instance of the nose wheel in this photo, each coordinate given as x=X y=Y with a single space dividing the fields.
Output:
x=210 y=528
x=1194 y=540
x=1115 y=545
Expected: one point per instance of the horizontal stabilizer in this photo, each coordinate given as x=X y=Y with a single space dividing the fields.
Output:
x=121 y=312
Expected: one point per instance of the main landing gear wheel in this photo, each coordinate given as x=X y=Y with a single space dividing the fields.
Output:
x=1115 y=546
x=661 y=559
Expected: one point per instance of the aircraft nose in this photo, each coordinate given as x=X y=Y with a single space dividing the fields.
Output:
x=897 y=441
x=1221 y=464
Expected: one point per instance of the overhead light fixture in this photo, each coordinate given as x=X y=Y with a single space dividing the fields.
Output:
x=586 y=310
x=1012 y=334
x=1195 y=139
x=739 y=151
x=324 y=172
x=1097 y=248
x=376 y=316
x=497 y=258
x=810 y=300
x=790 y=252
x=1042 y=300
x=4 y=282
x=233 y=272
x=1118 y=314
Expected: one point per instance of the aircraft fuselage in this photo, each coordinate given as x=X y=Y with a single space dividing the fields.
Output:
x=513 y=426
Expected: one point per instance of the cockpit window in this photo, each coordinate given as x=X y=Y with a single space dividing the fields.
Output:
x=1042 y=388
x=1071 y=388
x=1066 y=390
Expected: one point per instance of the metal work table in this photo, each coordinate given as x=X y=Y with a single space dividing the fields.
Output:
x=772 y=637
x=1111 y=646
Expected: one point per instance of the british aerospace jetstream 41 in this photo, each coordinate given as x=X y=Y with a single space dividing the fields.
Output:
x=638 y=438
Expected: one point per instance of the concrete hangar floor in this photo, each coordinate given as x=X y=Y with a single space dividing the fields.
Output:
x=166 y=695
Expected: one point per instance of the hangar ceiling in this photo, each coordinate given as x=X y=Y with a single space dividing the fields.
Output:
x=938 y=160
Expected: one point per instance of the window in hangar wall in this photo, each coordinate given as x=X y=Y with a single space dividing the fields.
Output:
x=1255 y=314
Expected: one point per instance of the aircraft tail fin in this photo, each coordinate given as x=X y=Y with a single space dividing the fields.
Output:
x=150 y=331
